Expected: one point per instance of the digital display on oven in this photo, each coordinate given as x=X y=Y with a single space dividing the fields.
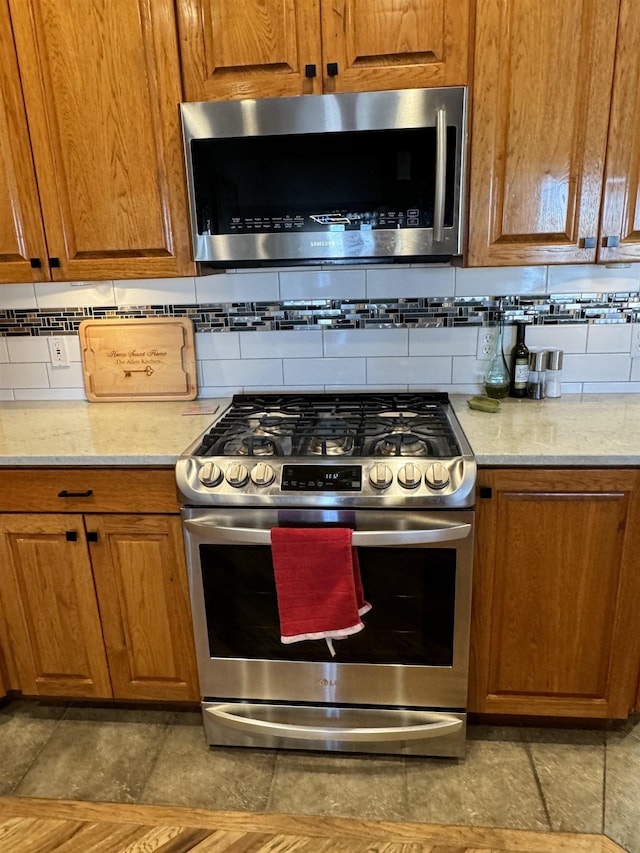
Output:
x=321 y=478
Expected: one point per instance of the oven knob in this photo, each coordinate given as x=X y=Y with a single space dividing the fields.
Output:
x=237 y=474
x=210 y=474
x=380 y=476
x=437 y=476
x=410 y=476
x=263 y=474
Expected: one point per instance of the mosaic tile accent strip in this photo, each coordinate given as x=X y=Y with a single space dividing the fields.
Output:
x=418 y=312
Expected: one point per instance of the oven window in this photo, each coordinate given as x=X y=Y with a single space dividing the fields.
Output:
x=382 y=179
x=411 y=590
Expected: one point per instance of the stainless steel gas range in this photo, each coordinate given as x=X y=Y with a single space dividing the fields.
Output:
x=396 y=470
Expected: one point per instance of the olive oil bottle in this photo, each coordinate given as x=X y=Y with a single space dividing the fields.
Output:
x=519 y=364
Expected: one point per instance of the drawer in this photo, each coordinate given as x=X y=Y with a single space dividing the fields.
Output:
x=144 y=490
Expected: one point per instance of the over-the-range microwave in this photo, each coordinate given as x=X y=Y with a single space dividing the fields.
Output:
x=316 y=179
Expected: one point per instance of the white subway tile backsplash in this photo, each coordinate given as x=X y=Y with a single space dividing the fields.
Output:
x=363 y=342
x=17 y=296
x=207 y=391
x=284 y=389
x=455 y=341
x=592 y=278
x=293 y=344
x=4 y=351
x=244 y=371
x=500 y=281
x=50 y=394
x=217 y=345
x=66 y=377
x=399 y=282
x=322 y=284
x=567 y=338
x=26 y=349
x=610 y=388
x=325 y=371
x=6 y=394
x=410 y=369
x=468 y=370
x=23 y=376
x=238 y=287
x=611 y=367
x=609 y=338
x=64 y=294
x=155 y=291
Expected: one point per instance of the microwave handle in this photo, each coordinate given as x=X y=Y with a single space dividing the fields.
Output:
x=435 y=725
x=365 y=538
x=441 y=176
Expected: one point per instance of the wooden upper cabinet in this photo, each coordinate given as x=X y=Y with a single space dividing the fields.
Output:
x=101 y=85
x=556 y=585
x=21 y=232
x=621 y=198
x=272 y=48
x=543 y=75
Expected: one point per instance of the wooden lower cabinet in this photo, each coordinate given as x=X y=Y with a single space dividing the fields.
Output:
x=556 y=592
x=107 y=618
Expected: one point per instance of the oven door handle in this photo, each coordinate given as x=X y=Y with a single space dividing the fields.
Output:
x=359 y=538
x=435 y=725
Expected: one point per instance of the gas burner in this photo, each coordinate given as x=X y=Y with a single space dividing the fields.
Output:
x=331 y=438
x=401 y=444
x=275 y=424
x=258 y=445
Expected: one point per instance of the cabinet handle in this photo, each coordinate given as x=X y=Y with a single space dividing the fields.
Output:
x=65 y=494
x=309 y=70
x=485 y=492
x=54 y=262
x=36 y=263
x=332 y=69
x=92 y=535
x=589 y=242
x=71 y=535
x=611 y=242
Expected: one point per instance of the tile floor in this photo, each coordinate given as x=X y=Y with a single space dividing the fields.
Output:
x=526 y=778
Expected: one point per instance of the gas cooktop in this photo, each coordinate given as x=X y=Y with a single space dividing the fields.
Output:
x=365 y=449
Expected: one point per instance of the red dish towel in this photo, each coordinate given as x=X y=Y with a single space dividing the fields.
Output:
x=318 y=583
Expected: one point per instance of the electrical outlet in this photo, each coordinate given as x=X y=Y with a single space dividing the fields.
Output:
x=486 y=342
x=58 y=352
x=635 y=340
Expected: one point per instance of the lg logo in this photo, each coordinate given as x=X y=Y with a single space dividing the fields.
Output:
x=327 y=682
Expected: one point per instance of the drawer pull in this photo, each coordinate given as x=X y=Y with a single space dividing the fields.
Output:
x=71 y=535
x=92 y=536
x=65 y=494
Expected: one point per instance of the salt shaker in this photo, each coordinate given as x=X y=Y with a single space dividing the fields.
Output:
x=536 y=381
x=553 y=374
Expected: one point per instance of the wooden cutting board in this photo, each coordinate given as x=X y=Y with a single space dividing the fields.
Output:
x=138 y=359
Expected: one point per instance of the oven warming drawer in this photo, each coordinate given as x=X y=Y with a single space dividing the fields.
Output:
x=335 y=728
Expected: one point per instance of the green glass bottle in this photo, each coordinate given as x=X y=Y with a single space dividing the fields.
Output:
x=496 y=377
x=519 y=364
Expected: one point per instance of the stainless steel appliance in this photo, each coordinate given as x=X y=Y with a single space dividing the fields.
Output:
x=370 y=176
x=398 y=471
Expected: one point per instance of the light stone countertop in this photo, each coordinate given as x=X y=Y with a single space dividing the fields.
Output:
x=75 y=432
x=593 y=429
x=596 y=429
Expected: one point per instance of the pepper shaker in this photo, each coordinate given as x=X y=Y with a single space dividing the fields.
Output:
x=553 y=374
x=536 y=381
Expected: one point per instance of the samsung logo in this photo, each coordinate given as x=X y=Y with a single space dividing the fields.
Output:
x=323 y=243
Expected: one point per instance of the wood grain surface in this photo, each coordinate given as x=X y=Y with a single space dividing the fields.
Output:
x=45 y=826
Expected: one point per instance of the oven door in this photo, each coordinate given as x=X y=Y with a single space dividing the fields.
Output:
x=413 y=652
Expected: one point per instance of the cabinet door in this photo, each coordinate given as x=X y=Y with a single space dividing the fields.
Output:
x=556 y=587
x=54 y=643
x=101 y=84
x=542 y=89
x=141 y=578
x=621 y=202
x=249 y=48
x=394 y=44
x=21 y=232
